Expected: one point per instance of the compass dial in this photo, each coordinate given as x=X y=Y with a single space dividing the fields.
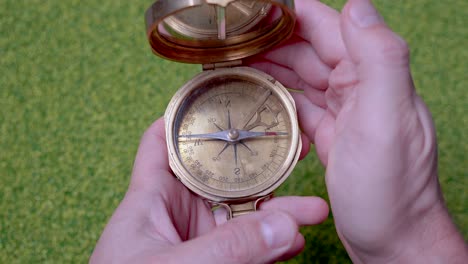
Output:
x=234 y=135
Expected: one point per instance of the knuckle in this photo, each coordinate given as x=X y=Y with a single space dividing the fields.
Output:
x=301 y=84
x=395 y=50
x=344 y=75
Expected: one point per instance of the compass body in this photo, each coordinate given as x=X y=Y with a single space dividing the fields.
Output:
x=232 y=131
x=232 y=134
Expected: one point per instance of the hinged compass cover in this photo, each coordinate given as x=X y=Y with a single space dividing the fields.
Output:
x=210 y=31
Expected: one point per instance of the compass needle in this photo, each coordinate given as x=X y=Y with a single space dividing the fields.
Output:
x=218 y=127
x=224 y=148
x=247 y=147
x=229 y=119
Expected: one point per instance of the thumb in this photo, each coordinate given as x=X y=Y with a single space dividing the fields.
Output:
x=151 y=166
x=260 y=237
x=381 y=56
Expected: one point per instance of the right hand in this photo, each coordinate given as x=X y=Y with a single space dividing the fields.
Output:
x=371 y=130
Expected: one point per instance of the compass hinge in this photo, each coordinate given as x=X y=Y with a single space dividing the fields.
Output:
x=224 y=64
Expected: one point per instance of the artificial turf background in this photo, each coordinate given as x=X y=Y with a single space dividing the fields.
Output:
x=79 y=85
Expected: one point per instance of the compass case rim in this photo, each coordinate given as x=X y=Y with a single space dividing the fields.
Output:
x=225 y=196
x=205 y=52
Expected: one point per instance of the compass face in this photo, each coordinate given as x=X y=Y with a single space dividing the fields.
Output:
x=234 y=135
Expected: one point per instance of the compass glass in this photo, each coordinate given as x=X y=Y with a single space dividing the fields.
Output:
x=209 y=21
x=211 y=25
x=217 y=30
x=232 y=134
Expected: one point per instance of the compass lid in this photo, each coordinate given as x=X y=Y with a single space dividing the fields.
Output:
x=211 y=31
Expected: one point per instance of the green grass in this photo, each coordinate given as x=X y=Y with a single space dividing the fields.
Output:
x=79 y=85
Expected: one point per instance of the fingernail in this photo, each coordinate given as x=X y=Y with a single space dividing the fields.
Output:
x=364 y=14
x=276 y=230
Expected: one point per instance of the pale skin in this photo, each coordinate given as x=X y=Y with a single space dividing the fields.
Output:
x=372 y=132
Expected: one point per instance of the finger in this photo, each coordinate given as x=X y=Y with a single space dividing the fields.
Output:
x=292 y=80
x=260 y=237
x=300 y=57
x=306 y=210
x=319 y=24
x=343 y=80
x=151 y=160
x=385 y=82
x=316 y=97
x=297 y=247
x=324 y=136
x=284 y=75
x=305 y=146
x=309 y=115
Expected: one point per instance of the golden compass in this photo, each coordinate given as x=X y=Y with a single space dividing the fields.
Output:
x=232 y=131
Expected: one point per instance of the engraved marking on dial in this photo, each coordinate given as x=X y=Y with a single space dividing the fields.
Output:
x=211 y=120
x=225 y=102
x=258 y=121
x=204 y=178
x=252 y=153
x=273 y=153
x=254 y=110
x=218 y=157
x=207 y=175
x=268 y=167
x=198 y=142
x=189 y=151
x=282 y=156
x=218 y=127
x=273 y=161
x=235 y=154
x=223 y=178
x=196 y=165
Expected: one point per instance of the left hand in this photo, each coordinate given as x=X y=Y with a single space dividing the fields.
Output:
x=372 y=132
x=160 y=221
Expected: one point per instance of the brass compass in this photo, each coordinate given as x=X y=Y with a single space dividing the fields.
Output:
x=232 y=131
